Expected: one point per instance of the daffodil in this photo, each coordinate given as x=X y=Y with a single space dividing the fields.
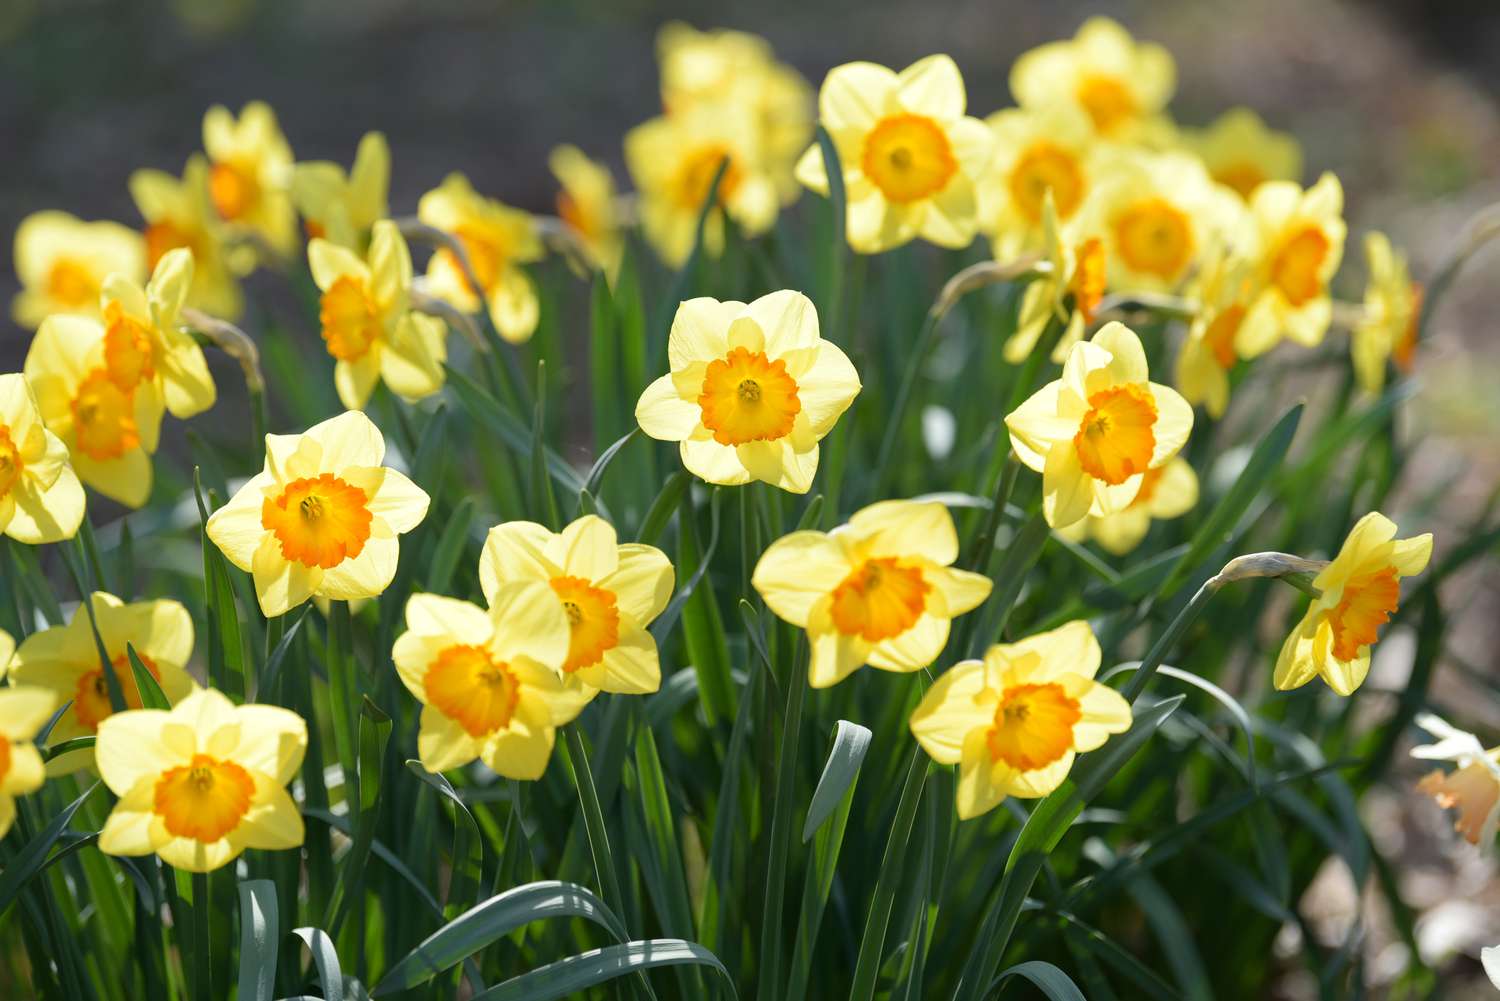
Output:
x=23 y=711
x=199 y=784
x=1222 y=289
x=497 y=239
x=65 y=661
x=368 y=324
x=490 y=683
x=1392 y=312
x=1361 y=590
x=62 y=262
x=1068 y=292
x=751 y=391
x=1154 y=212
x=1472 y=788
x=144 y=344
x=587 y=204
x=181 y=213
x=322 y=518
x=1014 y=721
x=911 y=158
x=609 y=592
x=1302 y=241
x=41 y=499
x=250 y=174
x=344 y=207
x=880 y=590
x=1168 y=491
x=111 y=429
x=1120 y=83
x=1096 y=432
x=1049 y=149
x=1240 y=152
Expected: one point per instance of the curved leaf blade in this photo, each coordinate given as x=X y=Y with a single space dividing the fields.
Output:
x=840 y=771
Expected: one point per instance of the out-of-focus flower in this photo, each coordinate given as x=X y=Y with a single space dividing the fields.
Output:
x=110 y=430
x=879 y=590
x=1361 y=590
x=144 y=344
x=1122 y=84
x=62 y=262
x=1014 y=721
x=587 y=204
x=1240 y=152
x=1222 y=289
x=1472 y=788
x=65 y=661
x=1069 y=293
x=367 y=322
x=250 y=174
x=1036 y=151
x=1392 y=312
x=343 y=208
x=1154 y=212
x=1097 y=431
x=911 y=158
x=202 y=782
x=751 y=391
x=23 y=711
x=322 y=518
x=496 y=239
x=1168 y=491
x=1301 y=237
x=490 y=683
x=181 y=213
x=41 y=499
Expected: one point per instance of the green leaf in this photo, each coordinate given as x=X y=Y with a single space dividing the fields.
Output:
x=515 y=434
x=450 y=546
x=850 y=742
x=578 y=973
x=152 y=697
x=52 y=751
x=260 y=934
x=374 y=731
x=662 y=508
x=467 y=860
x=872 y=942
x=226 y=662
x=669 y=888
x=31 y=859
x=542 y=498
x=1051 y=981
x=277 y=657
x=596 y=472
x=336 y=986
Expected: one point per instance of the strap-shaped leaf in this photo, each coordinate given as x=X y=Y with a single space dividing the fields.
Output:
x=1051 y=981
x=577 y=973
x=260 y=935
x=33 y=857
x=850 y=742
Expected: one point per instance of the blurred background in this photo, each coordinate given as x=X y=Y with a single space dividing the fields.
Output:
x=1401 y=99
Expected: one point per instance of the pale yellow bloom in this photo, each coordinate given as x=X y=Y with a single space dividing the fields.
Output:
x=496 y=239
x=490 y=683
x=1168 y=491
x=368 y=324
x=23 y=711
x=1472 y=788
x=1097 y=431
x=1301 y=237
x=143 y=342
x=1361 y=591
x=911 y=158
x=880 y=590
x=1154 y=212
x=201 y=783
x=1392 y=312
x=609 y=592
x=181 y=213
x=751 y=391
x=344 y=207
x=1036 y=151
x=1015 y=721
x=1069 y=292
x=41 y=499
x=62 y=262
x=1122 y=84
x=1241 y=153
x=1220 y=328
x=587 y=203
x=250 y=174
x=322 y=518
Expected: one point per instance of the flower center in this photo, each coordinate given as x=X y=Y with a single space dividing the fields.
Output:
x=1033 y=726
x=470 y=687
x=91 y=698
x=1405 y=351
x=908 y=158
x=593 y=619
x=71 y=284
x=350 y=319
x=1243 y=177
x=320 y=522
x=1155 y=238
x=1115 y=441
x=696 y=173
x=104 y=417
x=1042 y=167
x=162 y=237
x=232 y=189
x=1107 y=100
x=487 y=256
x=1295 y=269
x=879 y=600
x=204 y=799
x=1366 y=605
x=1220 y=334
x=747 y=397
x=127 y=348
x=1472 y=790
x=10 y=462
x=1089 y=278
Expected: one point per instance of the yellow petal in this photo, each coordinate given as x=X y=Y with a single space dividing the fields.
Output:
x=515 y=551
x=856 y=95
x=913 y=649
x=350 y=439
x=827 y=388
x=1104 y=711
x=50 y=515
x=390 y=264
x=908 y=528
x=1067 y=491
x=834 y=657
x=191 y=855
x=663 y=414
x=700 y=331
x=529 y=622
x=979 y=787
x=24 y=709
x=521 y=751
x=779 y=464
x=1127 y=357
x=399 y=502
x=1174 y=422
x=274 y=824
x=642 y=582
x=715 y=463
x=236 y=528
x=281 y=585
x=329 y=262
x=1294 y=664
x=130 y=747
x=630 y=667
x=949 y=712
x=933 y=87
x=272 y=741
x=1408 y=556
x=365 y=576
x=797 y=571
x=956 y=591
x=411 y=362
x=442 y=743
x=586 y=548
x=1036 y=426
x=513 y=307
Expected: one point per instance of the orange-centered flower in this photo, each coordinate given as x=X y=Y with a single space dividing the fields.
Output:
x=320 y=521
x=204 y=799
x=1471 y=790
x=1297 y=267
x=466 y=683
x=1368 y=602
x=593 y=621
x=880 y=599
x=127 y=348
x=1116 y=440
x=233 y=190
x=908 y=157
x=350 y=319
x=91 y=698
x=104 y=417
x=1033 y=726
x=1042 y=167
x=1155 y=237
x=747 y=397
x=695 y=174
x=1107 y=100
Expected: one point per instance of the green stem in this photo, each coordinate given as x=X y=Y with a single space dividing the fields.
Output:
x=781 y=819
x=872 y=943
x=1159 y=650
x=202 y=977
x=593 y=818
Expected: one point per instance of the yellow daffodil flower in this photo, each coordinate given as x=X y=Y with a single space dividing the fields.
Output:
x=1097 y=431
x=1154 y=212
x=911 y=157
x=1472 y=788
x=62 y=262
x=201 y=783
x=368 y=324
x=343 y=208
x=609 y=593
x=1222 y=290
x=1393 y=310
x=1122 y=84
x=1036 y=151
x=1361 y=591
x=110 y=429
x=250 y=174
x=322 y=518
x=23 y=711
x=1241 y=153
x=496 y=239
x=1168 y=491
x=490 y=683
x=879 y=590
x=1014 y=721
x=1302 y=242
x=586 y=204
x=1069 y=292
x=751 y=391
x=181 y=213
x=144 y=344
x=65 y=661
x=41 y=499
